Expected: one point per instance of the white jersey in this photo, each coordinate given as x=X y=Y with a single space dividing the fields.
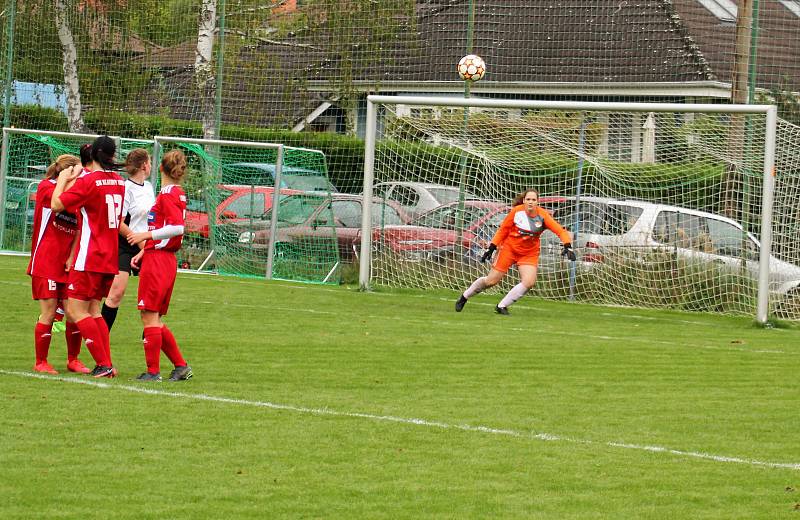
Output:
x=139 y=198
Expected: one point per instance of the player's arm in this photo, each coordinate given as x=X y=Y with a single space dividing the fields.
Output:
x=173 y=226
x=564 y=235
x=66 y=180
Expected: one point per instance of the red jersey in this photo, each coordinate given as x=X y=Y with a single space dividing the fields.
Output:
x=96 y=198
x=52 y=238
x=169 y=210
x=521 y=231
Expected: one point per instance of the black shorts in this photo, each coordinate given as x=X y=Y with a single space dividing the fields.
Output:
x=126 y=253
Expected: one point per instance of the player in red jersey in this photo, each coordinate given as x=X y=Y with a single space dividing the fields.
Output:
x=51 y=247
x=518 y=241
x=96 y=197
x=158 y=268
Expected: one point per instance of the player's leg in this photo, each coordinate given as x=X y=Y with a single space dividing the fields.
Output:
x=114 y=298
x=152 y=345
x=527 y=274
x=43 y=334
x=505 y=258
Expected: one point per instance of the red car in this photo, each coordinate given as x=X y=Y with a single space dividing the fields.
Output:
x=307 y=223
x=238 y=204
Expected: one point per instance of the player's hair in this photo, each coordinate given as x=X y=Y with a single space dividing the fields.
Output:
x=173 y=164
x=103 y=150
x=519 y=199
x=86 y=154
x=136 y=160
x=61 y=163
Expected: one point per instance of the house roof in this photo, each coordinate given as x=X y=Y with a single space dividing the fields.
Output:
x=572 y=47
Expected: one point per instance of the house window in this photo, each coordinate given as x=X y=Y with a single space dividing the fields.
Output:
x=792 y=5
x=725 y=10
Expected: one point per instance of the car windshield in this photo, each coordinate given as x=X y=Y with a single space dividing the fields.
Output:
x=598 y=218
x=198 y=204
x=445 y=217
x=307 y=183
x=296 y=209
x=447 y=195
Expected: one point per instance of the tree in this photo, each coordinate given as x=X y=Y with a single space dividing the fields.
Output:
x=203 y=71
x=70 y=63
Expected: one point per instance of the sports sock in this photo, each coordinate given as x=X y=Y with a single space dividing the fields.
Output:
x=170 y=347
x=94 y=343
x=476 y=287
x=41 y=340
x=103 y=328
x=152 y=348
x=109 y=315
x=516 y=292
x=73 y=341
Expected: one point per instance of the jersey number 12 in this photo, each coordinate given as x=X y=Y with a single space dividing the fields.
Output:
x=114 y=207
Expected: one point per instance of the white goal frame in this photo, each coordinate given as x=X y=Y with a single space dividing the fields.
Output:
x=769 y=111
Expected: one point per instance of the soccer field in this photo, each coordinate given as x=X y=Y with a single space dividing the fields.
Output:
x=324 y=402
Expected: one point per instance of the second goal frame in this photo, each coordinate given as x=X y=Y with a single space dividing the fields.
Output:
x=769 y=112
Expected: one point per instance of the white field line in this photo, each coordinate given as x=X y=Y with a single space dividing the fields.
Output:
x=405 y=420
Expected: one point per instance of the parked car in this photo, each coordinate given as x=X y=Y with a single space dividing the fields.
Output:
x=435 y=234
x=632 y=228
x=263 y=174
x=238 y=203
x=417 y=198
x=307 y=221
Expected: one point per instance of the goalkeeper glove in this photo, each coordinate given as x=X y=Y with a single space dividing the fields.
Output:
x=488 y=254
x=568 y=252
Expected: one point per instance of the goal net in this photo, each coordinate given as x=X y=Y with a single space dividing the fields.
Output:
x=230 y=187
x=665 y=202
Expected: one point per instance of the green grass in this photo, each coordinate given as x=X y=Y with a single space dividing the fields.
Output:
x=304 y=400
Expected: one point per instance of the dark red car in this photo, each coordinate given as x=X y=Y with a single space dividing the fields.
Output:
x=308 y=224
x=238 y=204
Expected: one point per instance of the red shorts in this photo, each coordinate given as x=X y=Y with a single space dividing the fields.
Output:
x=507 y=256
x=45 y=289
x=156 y=280
x=86 y=285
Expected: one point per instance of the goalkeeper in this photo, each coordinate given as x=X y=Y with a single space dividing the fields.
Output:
x=517 y=241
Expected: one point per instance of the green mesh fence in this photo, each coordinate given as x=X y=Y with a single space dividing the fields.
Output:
x=229 y=221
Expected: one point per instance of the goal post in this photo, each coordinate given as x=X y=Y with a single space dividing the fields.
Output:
x=692 y=150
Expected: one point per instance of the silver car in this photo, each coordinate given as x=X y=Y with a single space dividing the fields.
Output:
x=632 y=228
x=417 y=198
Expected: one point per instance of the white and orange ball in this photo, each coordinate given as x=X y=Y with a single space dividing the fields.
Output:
x=471 y=67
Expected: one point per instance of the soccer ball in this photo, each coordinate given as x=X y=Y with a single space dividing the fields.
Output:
x=471 y=67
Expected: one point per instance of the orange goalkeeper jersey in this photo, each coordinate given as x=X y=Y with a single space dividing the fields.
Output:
x=521 y=232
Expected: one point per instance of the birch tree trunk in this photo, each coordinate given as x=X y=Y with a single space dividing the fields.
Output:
x=203 y=72
x=70 y=63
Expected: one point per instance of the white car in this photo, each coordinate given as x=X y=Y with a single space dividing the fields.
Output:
x=632 y=228
x=417 y=198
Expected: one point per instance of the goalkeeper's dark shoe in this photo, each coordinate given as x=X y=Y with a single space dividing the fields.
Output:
x=181 y=373
x=460 y=303
x=147 y=376
x=501 y=310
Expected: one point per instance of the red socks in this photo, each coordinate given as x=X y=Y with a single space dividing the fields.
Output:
x=41 y=338
x=170 y=347
x=94 y=340
x=103 y=328
x=152 y=348
x=73 y=341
